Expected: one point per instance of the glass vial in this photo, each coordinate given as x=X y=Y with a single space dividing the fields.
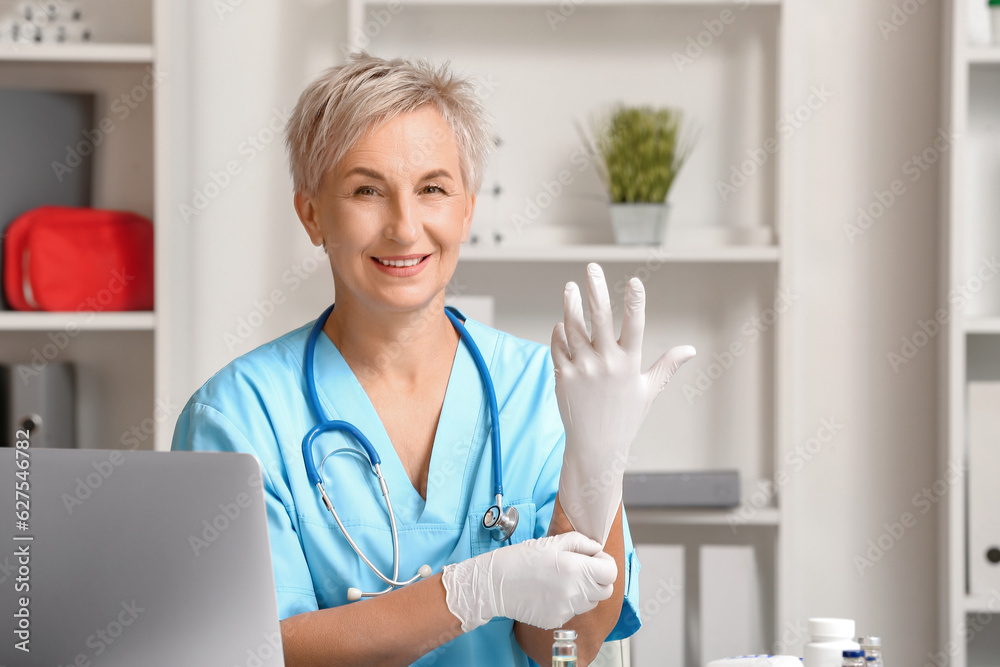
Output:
x=564 y=648
x=872 y=646
x=854 y=658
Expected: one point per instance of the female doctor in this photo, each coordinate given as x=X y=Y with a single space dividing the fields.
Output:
x=386 y=158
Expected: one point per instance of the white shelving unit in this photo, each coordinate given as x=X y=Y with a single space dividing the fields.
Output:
x=970 y=350
x=14 y=321
x=119 y=358
x=581 y=58
x=983 y=325
x=653 y=517
x=77 y=53
x=983 y=55
x=615 y=253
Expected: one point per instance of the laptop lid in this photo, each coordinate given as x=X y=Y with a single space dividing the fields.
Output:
x=121 y=558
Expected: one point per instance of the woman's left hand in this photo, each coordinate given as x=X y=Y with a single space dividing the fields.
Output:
x=603 y=398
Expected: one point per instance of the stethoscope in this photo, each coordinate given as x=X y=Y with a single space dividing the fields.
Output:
x=498 y=522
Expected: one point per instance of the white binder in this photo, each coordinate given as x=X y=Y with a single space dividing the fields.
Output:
x=984 y=491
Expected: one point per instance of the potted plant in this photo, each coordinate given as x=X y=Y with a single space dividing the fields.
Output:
x=638 y=152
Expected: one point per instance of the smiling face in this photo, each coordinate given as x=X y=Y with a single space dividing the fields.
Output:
x=393 y=214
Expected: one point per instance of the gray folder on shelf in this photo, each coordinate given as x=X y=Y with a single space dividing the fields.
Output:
x=47 y=142
x=715 y=488
x=41 y=399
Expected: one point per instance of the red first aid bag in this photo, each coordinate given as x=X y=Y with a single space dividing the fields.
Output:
x=58 y=258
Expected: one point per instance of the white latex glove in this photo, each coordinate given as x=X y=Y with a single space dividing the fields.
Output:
x=543 y=582
x=603 y=398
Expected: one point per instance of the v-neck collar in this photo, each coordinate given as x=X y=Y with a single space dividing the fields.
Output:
x=459 y=429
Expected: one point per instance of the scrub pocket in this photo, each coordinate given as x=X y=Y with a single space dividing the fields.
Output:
x=481 y=540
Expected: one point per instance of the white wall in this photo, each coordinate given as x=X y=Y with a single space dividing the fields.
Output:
x=857 y=299
x=252 y=273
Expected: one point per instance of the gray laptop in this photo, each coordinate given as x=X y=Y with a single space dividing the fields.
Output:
x=135 y=558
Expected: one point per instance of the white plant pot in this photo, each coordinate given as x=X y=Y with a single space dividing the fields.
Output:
x=640 y=224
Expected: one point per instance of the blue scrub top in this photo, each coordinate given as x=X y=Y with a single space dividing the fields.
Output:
x=257 y=404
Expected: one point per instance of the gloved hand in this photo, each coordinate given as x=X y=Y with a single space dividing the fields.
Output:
x=603 y=397
x=543 y=582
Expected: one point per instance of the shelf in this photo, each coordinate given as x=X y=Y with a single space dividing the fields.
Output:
x=983 y=325
x=84 y=321
x=762 y=517
x=974 y=604
x=77 y=53
x=984 y=55
x=616 y=253
x=590 y=3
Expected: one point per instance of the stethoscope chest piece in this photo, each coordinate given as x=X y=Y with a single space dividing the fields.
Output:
x=500 y=524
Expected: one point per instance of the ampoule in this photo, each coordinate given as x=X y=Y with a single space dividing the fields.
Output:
x=872 y=646
x=564 y=649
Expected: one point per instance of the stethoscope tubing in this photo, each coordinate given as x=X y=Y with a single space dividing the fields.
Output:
x=491 y=396
x=325 y=424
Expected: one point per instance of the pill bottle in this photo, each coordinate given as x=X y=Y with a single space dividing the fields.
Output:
x=829 y=638
x=853 y=658
x=872 y=646
x=564 y=648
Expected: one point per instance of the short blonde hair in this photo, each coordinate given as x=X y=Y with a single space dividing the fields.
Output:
x=347 y=101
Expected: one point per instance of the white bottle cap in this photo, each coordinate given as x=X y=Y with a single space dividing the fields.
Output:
x=831 y=627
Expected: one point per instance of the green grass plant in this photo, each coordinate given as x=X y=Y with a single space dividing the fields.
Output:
x=639 y=152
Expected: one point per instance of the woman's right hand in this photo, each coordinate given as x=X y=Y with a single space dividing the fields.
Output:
x=542 y=582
